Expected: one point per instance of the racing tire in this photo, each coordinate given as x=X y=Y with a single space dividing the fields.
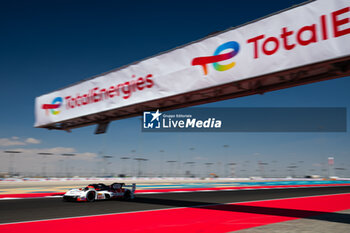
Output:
x=127 y=196
x=90 y=196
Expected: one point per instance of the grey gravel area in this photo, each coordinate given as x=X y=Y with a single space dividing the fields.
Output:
x=78 y=183
x=338 y=222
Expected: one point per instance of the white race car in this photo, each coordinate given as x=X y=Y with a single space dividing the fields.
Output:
x=101 y=191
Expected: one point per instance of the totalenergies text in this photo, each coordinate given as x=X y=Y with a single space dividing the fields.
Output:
x=97 y=94
x=313 y=33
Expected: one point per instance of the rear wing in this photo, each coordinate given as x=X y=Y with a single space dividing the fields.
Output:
x=132 y=186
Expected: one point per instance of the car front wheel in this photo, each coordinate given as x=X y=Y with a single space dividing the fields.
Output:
x=90 y=196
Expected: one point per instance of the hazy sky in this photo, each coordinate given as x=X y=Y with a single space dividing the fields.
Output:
x=47 y=45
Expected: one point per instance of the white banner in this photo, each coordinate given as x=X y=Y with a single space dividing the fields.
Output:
x=311 y=33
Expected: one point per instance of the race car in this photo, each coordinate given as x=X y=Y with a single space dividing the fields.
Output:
x=100 y=191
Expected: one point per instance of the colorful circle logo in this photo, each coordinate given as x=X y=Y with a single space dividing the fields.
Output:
x=56 y=103
x=217 y=57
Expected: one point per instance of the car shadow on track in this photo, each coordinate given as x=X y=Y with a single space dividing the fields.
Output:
x=242 y=208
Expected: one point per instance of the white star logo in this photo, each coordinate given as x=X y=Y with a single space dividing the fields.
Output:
x=156 y=115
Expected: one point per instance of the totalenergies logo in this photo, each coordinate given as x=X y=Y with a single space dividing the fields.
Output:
x=56 y=103
x=217 y=57
x=98 y=94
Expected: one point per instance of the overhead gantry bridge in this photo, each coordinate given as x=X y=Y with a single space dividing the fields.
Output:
x=268 y=54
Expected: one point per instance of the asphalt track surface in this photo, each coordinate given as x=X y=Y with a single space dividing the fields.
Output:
x=31 y=209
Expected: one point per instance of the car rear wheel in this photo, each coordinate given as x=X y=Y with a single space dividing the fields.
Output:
x=127 y=195
x=90 y=196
